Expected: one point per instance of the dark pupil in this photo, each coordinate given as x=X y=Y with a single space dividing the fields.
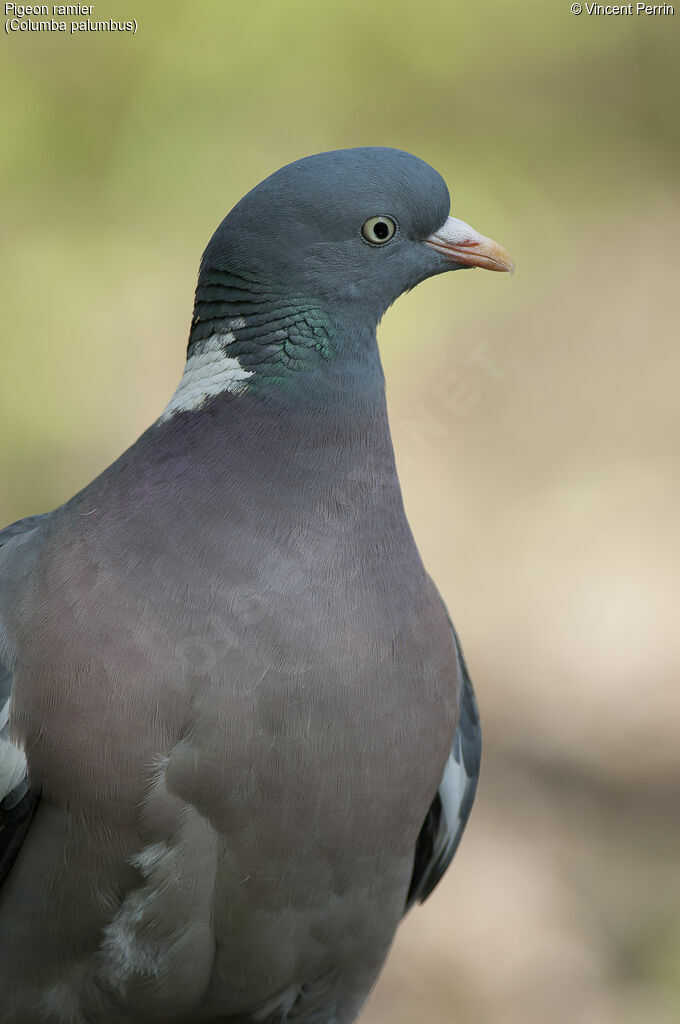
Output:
x=381 y=229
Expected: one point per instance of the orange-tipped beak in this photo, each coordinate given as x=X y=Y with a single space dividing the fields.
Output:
x=462 y=244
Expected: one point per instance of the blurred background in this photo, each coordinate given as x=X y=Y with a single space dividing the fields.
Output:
x=536 y=419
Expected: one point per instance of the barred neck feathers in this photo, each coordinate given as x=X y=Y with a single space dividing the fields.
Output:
x=245 y=338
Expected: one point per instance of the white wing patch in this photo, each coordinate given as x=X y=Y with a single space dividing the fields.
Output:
x=452 y=789
x=446 y=820
x=209 y=371
x=12 y=759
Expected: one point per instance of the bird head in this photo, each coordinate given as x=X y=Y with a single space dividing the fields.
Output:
x=350 y=230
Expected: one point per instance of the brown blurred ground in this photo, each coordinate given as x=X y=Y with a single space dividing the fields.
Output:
x=536 y=420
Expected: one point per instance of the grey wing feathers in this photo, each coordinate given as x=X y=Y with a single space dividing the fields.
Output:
x=17 y=801
x=448 y=814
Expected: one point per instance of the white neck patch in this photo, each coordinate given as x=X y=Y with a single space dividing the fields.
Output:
x=209 y=371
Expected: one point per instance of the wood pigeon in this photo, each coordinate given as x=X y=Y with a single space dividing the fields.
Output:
x=238 y=739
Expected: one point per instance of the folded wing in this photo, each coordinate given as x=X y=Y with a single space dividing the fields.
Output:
x=448 y=814
x=17 y=800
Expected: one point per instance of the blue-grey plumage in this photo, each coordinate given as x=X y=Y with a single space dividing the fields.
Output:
x=237 y=734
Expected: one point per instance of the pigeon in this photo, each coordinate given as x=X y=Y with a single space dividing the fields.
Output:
x=238 y=738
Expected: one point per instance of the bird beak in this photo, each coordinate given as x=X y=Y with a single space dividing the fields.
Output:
x=461 y=244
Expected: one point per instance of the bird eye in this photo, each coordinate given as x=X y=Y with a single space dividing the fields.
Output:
x=379 y=230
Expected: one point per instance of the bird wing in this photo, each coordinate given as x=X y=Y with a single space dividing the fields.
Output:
x=17 y=800
x=448 y=814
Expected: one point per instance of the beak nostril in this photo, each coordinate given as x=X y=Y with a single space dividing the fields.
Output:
x=462 y=245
